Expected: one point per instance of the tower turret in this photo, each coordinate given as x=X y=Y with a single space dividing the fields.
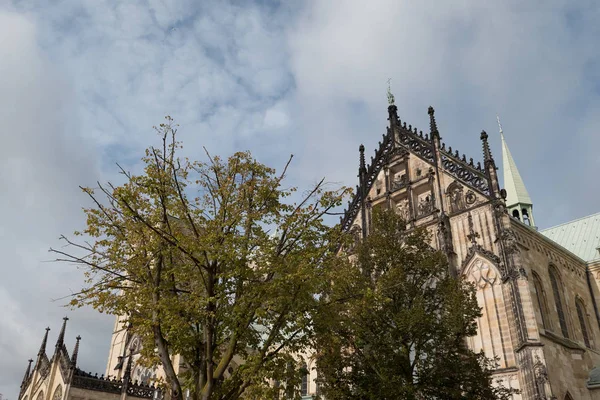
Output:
x=518 y=202
x=489 y=167
x=75 y=352
x=27 y=375
x=60 y=341
x=42 y=350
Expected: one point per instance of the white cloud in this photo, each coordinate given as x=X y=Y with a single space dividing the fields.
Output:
x=42 y=159
x=84 y=82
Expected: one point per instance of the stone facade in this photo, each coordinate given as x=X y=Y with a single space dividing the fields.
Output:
x=539 y=310
x=59 y=378
x=539 y=301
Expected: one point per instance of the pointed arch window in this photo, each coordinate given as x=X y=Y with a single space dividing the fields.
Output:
x=526 y=217
x=58 y=393
x=581 y=315
x=568 y=396
x=558 y=301
x=540 y=295
x=305 y=377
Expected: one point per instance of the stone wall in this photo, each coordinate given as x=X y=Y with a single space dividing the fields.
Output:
x=568 y=359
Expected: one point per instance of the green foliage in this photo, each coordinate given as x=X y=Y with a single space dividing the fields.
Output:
x=210 y=260
x=394 y=323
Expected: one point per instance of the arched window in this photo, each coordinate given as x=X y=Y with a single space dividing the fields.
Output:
x=58 y=394
x=305 y=377
x=540 y=295
x=526 y=217
x=516 y=214
x=581 y=315
x=40 y=395
x=558 y=301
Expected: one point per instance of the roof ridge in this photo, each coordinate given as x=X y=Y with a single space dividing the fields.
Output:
x=572 y=221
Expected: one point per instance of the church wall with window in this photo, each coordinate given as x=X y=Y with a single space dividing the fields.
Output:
x=568 y=326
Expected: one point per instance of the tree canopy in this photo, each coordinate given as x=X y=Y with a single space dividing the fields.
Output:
x=394 y=323
x=211 y=260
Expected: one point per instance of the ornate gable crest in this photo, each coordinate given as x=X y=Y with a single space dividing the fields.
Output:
x=476 y=249
x=401 y=140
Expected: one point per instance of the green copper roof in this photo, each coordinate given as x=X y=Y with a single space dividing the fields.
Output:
x=513 y=183
x=581 y=237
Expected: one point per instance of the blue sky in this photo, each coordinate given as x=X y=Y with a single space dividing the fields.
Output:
x=82 y=82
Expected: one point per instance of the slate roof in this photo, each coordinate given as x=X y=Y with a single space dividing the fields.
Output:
x=581 y=237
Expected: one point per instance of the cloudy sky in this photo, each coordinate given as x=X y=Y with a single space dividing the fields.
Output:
x=82 y=82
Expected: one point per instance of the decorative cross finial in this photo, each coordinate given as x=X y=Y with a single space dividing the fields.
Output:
x=472 y=236
x=390 y=96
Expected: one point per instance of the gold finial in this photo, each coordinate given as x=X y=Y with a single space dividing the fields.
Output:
x=390 y=96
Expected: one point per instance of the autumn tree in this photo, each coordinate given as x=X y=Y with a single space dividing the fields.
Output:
x=394 y=323
x=212 y=260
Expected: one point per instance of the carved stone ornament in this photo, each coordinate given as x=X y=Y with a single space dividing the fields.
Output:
x=399 y=182
x=470 y=197
x=85 y=380
x=541 y=374
x=402 y=209
x=425 y=205
x=482 y=274
x=510 y=241
x=477 y=249
x=143 y=375
x=457 y=199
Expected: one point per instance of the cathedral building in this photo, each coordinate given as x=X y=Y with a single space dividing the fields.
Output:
x=58 y=378
x=538 y=290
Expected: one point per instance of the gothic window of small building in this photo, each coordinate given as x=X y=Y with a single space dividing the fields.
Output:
x=558 y=301
x=582 y=321
x=58 y=393
x=540 y=295
x=305 y=377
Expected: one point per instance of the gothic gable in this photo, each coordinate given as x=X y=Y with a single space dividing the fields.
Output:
x=406 y=157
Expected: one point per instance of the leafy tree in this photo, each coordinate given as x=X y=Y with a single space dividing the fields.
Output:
x=210 y=260
x=394 y=322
